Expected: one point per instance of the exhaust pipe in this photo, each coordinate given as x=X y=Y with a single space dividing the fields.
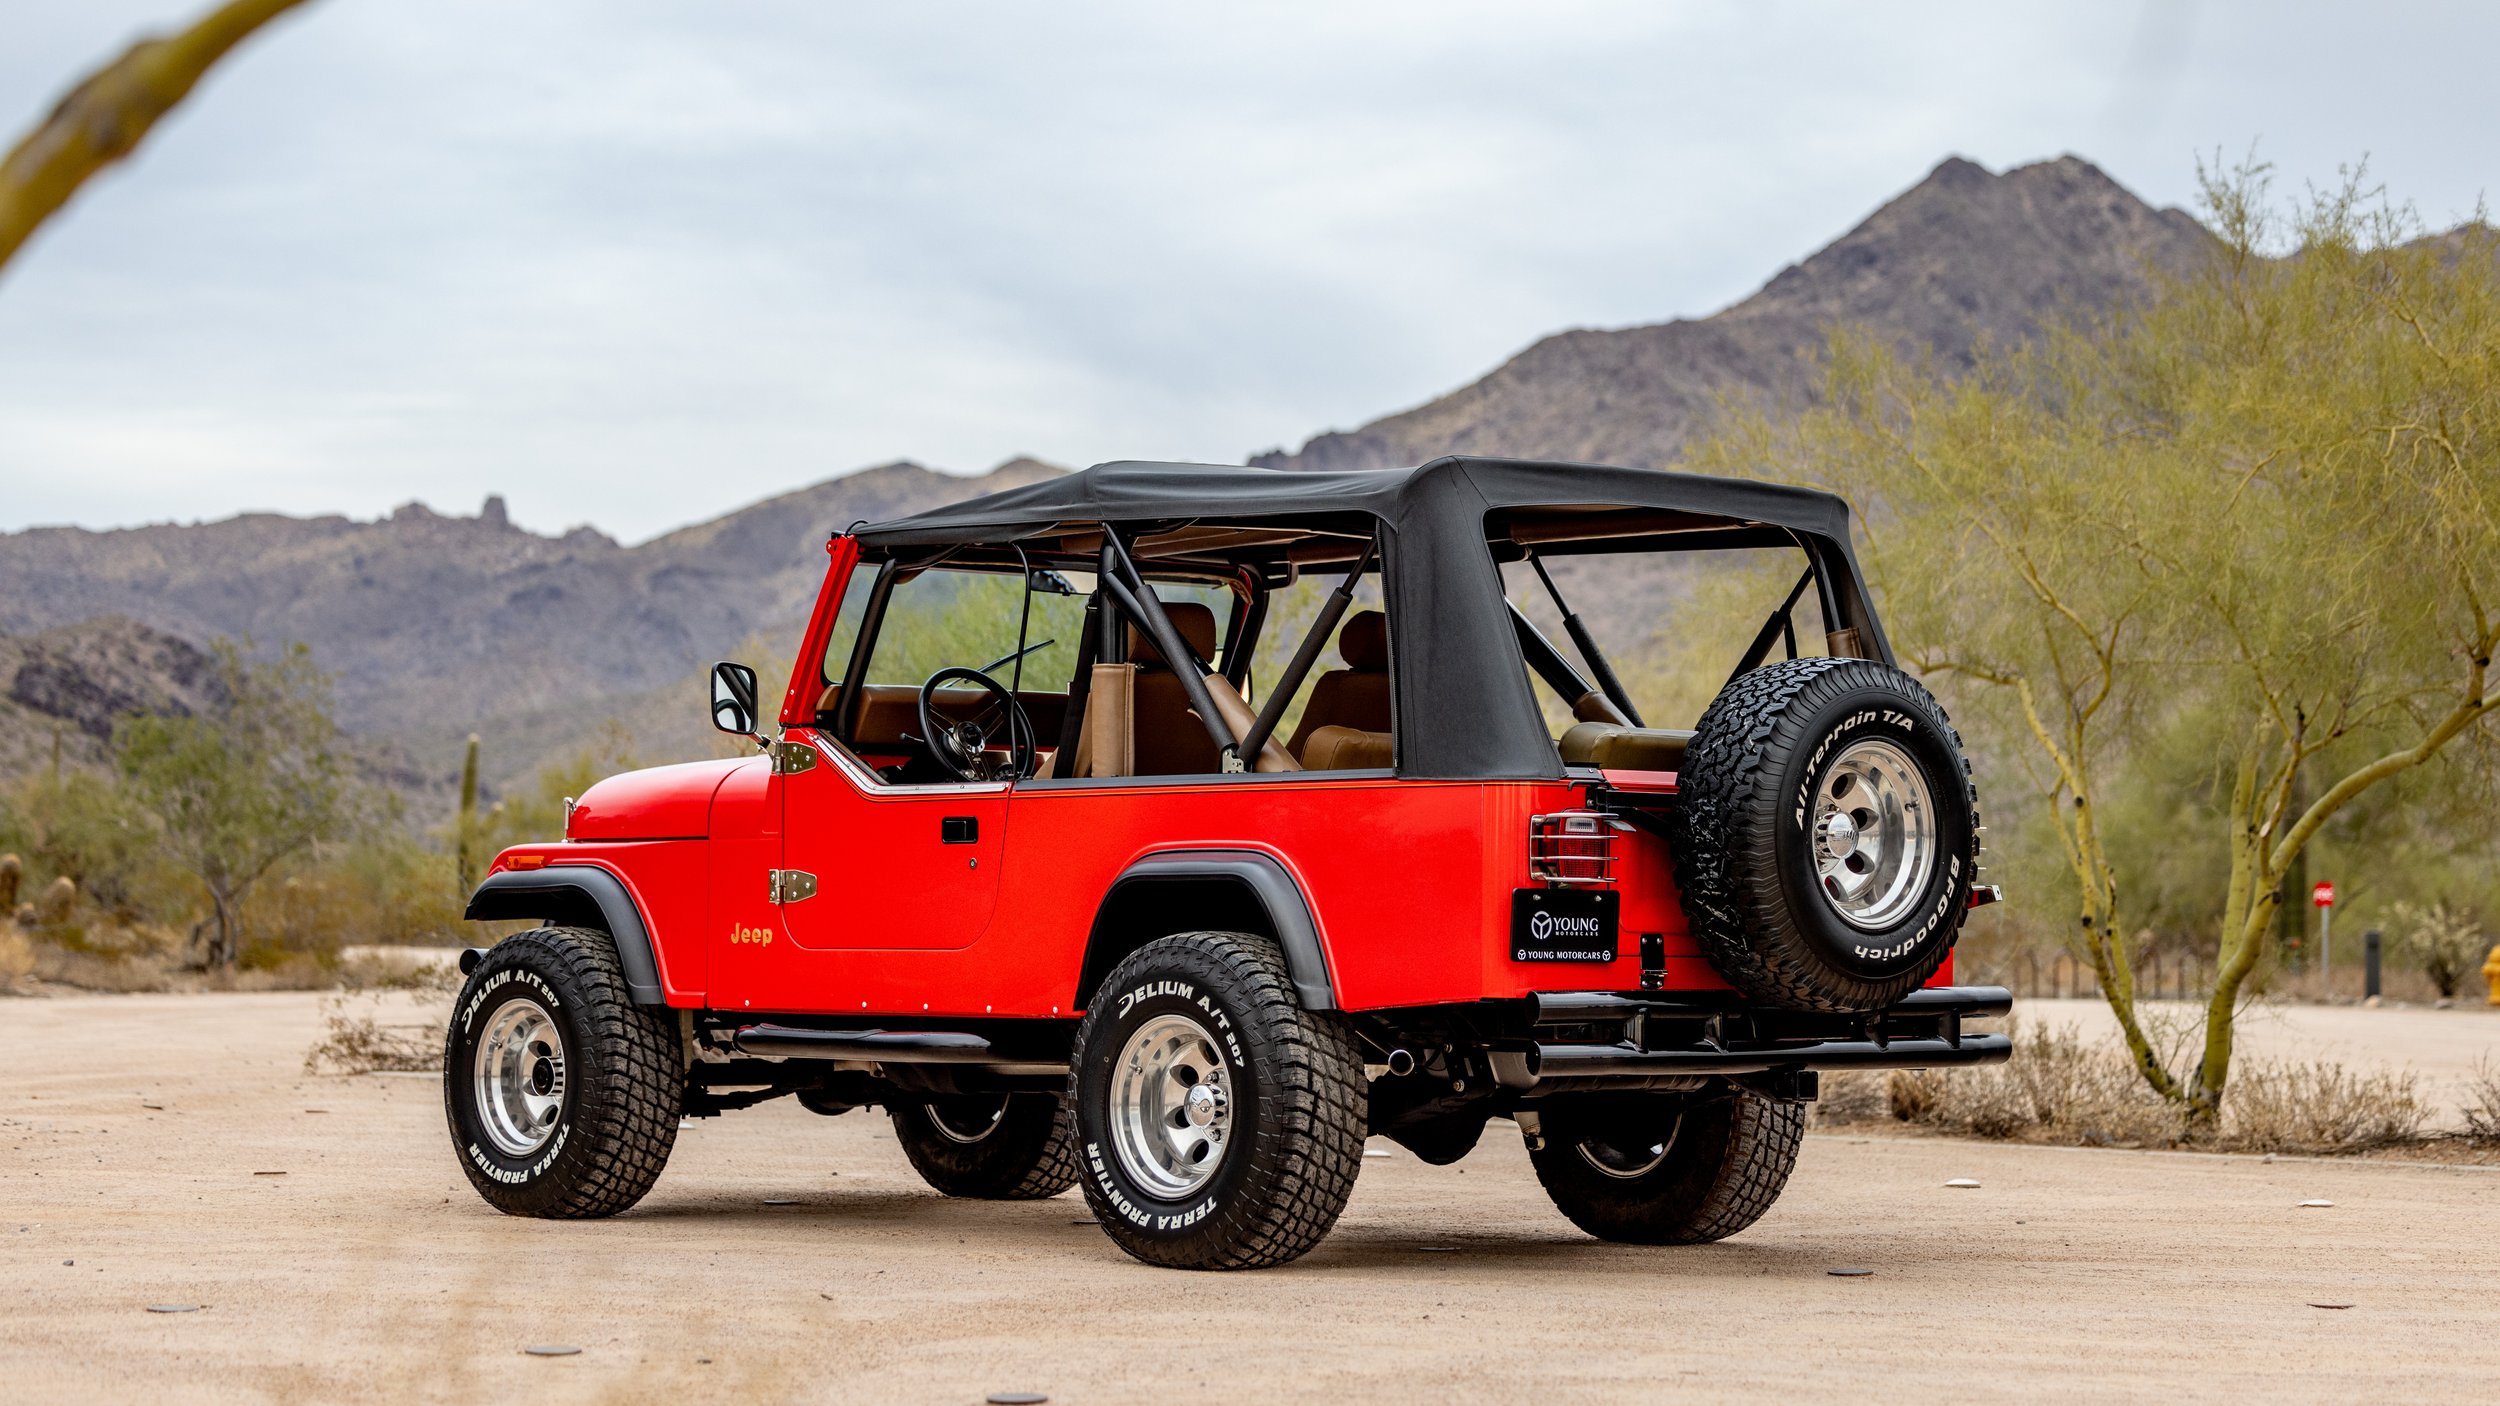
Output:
x=1401 y=1062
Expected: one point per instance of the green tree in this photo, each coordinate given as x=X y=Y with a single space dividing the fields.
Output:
x=237 y=791
x=2263 y=507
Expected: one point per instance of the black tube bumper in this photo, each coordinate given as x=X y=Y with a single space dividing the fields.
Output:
x=1654 y=1039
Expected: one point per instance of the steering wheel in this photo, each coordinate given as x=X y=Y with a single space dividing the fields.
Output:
x=963 y=747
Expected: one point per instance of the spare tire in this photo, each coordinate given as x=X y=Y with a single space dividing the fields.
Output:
x=1825 y=834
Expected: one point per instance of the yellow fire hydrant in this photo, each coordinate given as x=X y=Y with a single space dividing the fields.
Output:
x=2491 y=973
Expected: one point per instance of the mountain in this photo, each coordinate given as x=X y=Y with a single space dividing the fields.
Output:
x=1961 y=256
x=432 y=623
x=65 y=687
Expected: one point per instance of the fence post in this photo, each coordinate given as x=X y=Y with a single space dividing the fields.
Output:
x=2369 y=964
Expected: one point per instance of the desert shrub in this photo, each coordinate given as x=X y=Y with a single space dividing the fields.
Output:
x=17 y=955
x=2057 y=1087
x=2482 y=1101
x=2447 y=944
x=2295 y=1106
x=1851 y=1098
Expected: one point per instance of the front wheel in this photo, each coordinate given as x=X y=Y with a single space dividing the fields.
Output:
x=990 y=1147
x=1219 y=1125
x=1650 y=1170
x=562 y=1095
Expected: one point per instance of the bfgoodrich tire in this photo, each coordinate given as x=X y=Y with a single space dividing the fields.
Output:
x=1219 y=1125
x=1825 y=834
x=991 y=1147
x=1666 y=1170
x=562 y=1095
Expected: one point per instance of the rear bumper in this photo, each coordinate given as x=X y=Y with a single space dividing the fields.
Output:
x=1592 y=1039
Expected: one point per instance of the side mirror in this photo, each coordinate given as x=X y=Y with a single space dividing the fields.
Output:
x=733 y=699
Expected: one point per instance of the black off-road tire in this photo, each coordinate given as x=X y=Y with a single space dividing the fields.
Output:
x=1725 y=1160
x=622 y=1084
x=1744 y=850
x=1296 y=1106
x=996 y=1147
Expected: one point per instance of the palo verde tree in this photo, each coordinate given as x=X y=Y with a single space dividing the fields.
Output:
x=258 y=780
x=2265 y=503
x=102 y=119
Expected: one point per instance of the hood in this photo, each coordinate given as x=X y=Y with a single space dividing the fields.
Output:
x=658 y=803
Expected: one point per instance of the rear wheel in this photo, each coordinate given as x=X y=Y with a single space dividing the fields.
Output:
x=990 y=1147
x=1647 y=1170
x=1219 y=1124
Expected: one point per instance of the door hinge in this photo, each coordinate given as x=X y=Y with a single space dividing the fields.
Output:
x=791 y=758
x=790 y=885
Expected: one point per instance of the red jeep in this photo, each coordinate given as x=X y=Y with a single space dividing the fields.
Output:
x=1072 y=853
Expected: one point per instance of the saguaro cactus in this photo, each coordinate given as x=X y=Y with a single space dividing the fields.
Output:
x=12 y=873
x=465 y=838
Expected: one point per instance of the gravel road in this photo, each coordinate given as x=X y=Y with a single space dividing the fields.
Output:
x=368 y=1270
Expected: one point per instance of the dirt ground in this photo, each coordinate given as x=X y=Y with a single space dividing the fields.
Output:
x=370 y=1271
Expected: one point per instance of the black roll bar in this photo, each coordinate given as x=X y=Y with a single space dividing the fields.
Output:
x=1141 y=605
x=1580 y=636
x=1288 y=683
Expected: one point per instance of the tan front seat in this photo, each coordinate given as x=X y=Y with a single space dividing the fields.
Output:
x=1356 y=696
x=1170 y=741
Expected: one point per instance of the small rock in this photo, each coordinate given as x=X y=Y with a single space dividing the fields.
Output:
x=1849 y=1273
x=1015 y=1398
x=268 y=1174
x=1436 y=1249
x=781 y=1202
x=553 y=1351
x=1375 y=1152
x=1089 y=1220
x=173 y=1308
x=1964 y=1184
x=2327 y=1303
x=2315 y=1205
x=69 y=1261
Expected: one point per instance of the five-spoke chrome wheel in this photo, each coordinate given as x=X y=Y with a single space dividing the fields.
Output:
x=1874 y=834
x=1171 y=1112
x=520 y=1078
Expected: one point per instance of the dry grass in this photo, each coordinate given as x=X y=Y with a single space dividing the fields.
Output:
x=2482 y=1102
x=2062 y=1088
x=362 y=1044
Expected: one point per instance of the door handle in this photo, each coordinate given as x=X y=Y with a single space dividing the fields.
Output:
x=959 y=830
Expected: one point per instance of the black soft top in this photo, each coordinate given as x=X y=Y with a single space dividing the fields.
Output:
x=1463 y=703
x=1450 y=495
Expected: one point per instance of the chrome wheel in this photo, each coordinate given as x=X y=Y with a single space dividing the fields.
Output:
x=1171 y=1112
x=1874 y=834
x=966 y=1122
x=519 y=1074
x=1629 y=1159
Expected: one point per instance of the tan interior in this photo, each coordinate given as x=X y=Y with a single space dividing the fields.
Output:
x=1356 y=696
x=1334 y=748
x=1625 y=748
x=1106 y=741
x=1170 y=741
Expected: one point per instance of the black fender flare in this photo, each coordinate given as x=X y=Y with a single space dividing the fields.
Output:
x=1265 y=882
x=577 y=895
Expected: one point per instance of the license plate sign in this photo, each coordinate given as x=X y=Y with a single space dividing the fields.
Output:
x=1563 y=925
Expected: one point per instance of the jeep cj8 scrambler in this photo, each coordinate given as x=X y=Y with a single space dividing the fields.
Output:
x=1041 y=864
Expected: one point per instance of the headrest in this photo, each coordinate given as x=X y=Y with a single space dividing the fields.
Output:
x=1195 y=622
x=1364 y=642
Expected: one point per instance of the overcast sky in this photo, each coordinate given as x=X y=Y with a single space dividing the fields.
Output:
x=637 y=264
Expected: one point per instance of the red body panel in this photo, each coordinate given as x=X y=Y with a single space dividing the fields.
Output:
x=660 y=803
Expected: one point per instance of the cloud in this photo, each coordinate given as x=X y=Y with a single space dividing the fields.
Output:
x=638 y=263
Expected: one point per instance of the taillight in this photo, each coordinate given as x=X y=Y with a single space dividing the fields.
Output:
x=1573 y=848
